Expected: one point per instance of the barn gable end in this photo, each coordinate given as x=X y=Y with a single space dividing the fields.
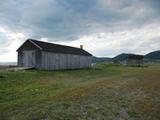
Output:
x=29 y=45
x=25 y=51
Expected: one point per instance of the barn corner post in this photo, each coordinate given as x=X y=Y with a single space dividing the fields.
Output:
x=18 y=58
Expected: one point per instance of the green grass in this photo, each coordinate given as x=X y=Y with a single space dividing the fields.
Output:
x=105 y=92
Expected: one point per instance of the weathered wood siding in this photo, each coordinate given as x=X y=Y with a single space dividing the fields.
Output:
x=23 y=50
x=29 y=58
x=19 y=58
x=57 y=61
x=38 y=59
x=132 y=62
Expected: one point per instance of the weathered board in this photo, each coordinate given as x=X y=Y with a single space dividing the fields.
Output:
x=56 y=61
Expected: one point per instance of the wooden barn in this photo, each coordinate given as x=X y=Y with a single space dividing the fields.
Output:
x=133 y=60
x=49 y=56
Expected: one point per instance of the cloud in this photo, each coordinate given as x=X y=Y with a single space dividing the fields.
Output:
x=70 y=19
x=9 y=42
x=140 y=41
x=114 y=22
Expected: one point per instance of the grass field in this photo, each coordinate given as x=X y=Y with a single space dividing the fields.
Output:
x=105 y=92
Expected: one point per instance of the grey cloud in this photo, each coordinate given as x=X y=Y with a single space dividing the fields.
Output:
x=70 y=19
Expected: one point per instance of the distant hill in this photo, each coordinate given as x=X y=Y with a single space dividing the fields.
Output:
x=101 y=59
x=155 y=55
x=121 y=57
x=150 y=57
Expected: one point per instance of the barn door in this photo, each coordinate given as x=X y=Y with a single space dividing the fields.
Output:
x=28 y=59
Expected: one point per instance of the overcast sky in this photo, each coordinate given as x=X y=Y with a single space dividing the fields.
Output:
x=104 y=27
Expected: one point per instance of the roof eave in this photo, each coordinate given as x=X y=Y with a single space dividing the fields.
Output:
x=35 y=44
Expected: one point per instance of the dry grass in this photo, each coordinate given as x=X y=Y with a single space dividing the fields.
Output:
x=106 y=92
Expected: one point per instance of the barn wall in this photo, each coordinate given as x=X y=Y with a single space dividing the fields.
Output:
x=123 y=62
x=57 y=61
x=132 y=62
x=38 y=58
x=20 y=59
x=23 y=62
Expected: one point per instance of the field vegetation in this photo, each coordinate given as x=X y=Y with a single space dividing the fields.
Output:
x=105 y=92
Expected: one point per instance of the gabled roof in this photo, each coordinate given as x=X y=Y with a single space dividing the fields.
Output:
x=125 y=56
x=56 y=48
x=135 y=57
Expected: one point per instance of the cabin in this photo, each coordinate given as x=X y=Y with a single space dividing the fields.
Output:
x=132 y=60
x=49 y=56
